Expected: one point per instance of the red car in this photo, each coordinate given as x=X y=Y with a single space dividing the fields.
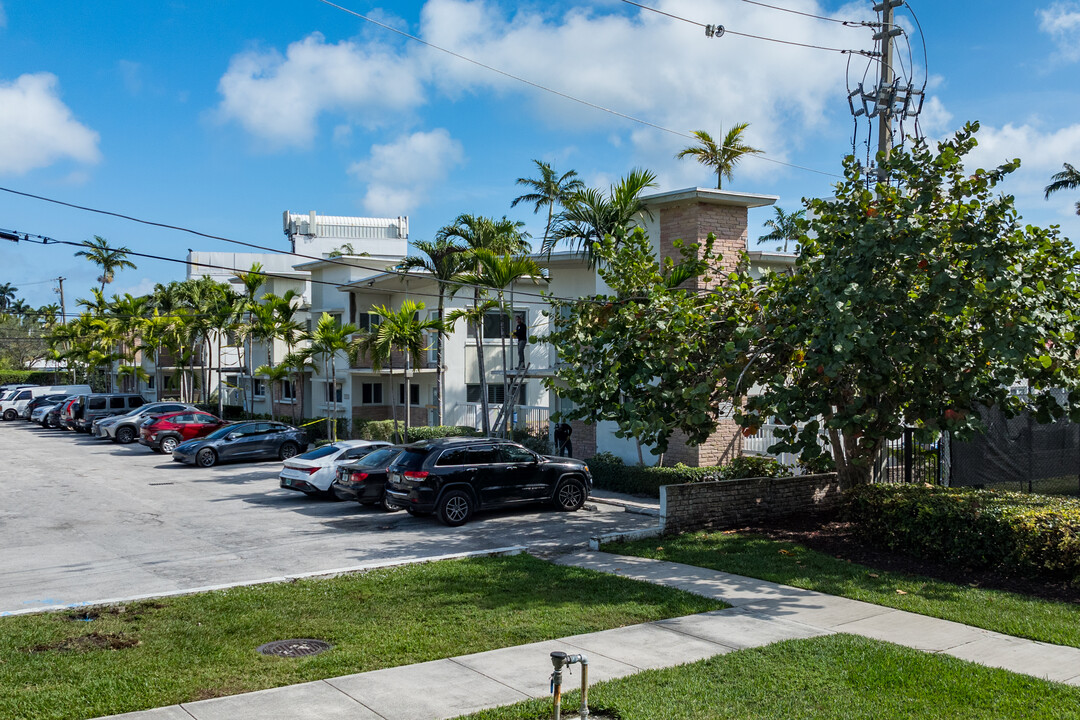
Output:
x=162 y=434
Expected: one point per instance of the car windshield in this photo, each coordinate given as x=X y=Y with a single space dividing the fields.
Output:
x=320 y=452
x=379 y=459
x=222 y=432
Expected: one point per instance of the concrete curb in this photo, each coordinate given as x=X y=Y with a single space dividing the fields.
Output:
x=597 y=540
x=495 y=552
x=630 y=507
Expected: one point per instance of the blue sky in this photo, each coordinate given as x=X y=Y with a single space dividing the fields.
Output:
x=219 y=116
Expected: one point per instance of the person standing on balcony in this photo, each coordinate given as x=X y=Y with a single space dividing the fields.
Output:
x=522 y=335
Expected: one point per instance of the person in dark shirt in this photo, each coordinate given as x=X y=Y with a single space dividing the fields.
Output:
x=563 y=446
x=522 y=336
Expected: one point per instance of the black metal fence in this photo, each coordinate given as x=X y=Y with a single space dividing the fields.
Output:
x=904 y=460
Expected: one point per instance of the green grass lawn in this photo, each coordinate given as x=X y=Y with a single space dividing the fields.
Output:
x=155 y=653
x=839 y=677
x=795 y=565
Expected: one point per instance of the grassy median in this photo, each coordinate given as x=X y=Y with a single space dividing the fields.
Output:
x=793 y=564
x=113 y=659
x=838 y=677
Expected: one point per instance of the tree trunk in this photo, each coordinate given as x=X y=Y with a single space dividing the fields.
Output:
x=485 y=424
x=333 y=395
x=220 y=394
x=506 y=369
x=439 y=360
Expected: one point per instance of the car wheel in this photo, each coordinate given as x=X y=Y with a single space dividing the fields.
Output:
x=125 y=435
x=570 y=495
x=455 y=508
x=169 y=444
x=288 y=450
x=10 y=414
x=206 y=457
x=385 y=505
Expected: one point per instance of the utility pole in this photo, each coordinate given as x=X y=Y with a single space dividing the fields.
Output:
x=63 y=311
x=886 y=94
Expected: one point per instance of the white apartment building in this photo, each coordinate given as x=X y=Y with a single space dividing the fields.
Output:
x=346 y=265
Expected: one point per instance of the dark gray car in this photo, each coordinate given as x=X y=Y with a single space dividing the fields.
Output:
x=258 y=440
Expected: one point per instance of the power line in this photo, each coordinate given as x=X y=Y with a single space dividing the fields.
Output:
x=333 y=261
x=728 y=31
x=44 y=240
x=846 y=23
x=573 y=98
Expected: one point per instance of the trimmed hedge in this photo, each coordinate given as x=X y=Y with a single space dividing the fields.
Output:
x=611 y=473
x=385 y=430
x=979 y=529
x=30 y=377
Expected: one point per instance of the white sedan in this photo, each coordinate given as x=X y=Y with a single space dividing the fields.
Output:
x=314 y=471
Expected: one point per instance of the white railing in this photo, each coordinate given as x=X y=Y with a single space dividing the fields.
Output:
x=760 y=442
x=535 y=418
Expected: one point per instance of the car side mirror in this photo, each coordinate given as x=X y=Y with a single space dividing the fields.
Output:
x=232 y=436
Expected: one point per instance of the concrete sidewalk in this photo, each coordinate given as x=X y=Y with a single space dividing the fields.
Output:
x=762 y=613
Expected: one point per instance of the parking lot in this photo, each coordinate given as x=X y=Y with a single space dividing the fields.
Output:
x=83 y=519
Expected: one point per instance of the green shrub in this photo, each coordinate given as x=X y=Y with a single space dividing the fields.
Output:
x=431 y=432
x=385 y=430
x=979 y=529
x=611 y=473
x=537 y=441
x=33 y=377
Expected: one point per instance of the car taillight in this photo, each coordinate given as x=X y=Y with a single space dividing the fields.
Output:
x=416 y=474
x=358 y=476
x=311 y=471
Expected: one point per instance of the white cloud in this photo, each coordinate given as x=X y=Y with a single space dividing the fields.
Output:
x=1041 y=154
x=1061 y=21
x=143 y=287
x=632 y=61
x=37 y=129
x=399 y=174
x=279 y=98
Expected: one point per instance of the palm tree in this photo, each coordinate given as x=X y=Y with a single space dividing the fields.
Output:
x=474 y=317
x=591 y=215
x=251 y=281
x=722 y=157
x=549 y=190
x=402 y=330
x=274 y=375
x=109 y=259
x=7 y=295
x=1067 y=179
x=499 y=272
x=327 y=339
x=444 y=259
x=785 y=226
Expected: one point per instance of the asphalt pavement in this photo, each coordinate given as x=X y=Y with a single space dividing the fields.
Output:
x=84 y=520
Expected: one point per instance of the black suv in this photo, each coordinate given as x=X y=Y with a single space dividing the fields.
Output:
x=456 y=476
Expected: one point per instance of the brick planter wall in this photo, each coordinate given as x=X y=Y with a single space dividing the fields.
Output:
x=730 y=503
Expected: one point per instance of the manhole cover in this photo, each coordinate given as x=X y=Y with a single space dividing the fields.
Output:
x=294 y=648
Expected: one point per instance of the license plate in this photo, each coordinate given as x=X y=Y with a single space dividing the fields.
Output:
x=285 y=482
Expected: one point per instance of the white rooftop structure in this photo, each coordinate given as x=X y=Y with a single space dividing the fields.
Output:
x=319 y=235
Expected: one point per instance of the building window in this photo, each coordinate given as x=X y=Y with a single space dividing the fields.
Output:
x=371 y=394
x=287 y=390
x=494 y=322
x=333 y=392
x=258 y=387
x=414 y=393
x=495 y=393
x=368 y=321
x=150 y=383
